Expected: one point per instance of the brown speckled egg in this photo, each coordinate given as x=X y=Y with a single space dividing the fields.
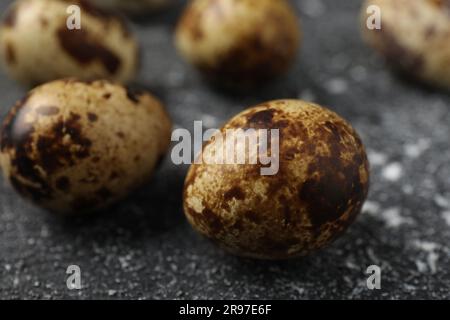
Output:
x=414 y=37
x=73 y=146
x=318 y=191
x=133 y=7
x=239 y=41
x=37 y=46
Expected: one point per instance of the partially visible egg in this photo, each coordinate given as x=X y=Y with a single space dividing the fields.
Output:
x=40 y=42
x=239 y=42
x=73 y=146
x=414 y=36
x=133 y=7
x=318 y=190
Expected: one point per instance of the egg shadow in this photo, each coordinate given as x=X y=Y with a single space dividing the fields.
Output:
x=284 y=86
x=168 y=15
x=325 y=269
x=152 y=209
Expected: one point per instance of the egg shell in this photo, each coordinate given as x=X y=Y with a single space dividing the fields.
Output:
x=414 y=37
x=246 y=41
x=322 y=182
x=37 y=46
x=73 y=146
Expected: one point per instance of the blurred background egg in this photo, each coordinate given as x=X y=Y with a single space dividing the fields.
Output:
x=239 y=42
x=40 y=42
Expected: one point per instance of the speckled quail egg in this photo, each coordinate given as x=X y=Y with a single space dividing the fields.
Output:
x=40 y=42
x=73 y=146
x=414 y=36
x=133 y=7
x=316 y=193
x=239 y=41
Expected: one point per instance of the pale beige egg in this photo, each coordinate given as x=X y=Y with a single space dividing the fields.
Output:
x=40 y=41
x=414 y=37
x=73 y=146
x=239 y=42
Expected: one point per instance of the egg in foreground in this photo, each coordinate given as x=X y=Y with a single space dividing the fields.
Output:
x=318 y=191
x=40 y=42
x=243 y=42
x=414 y=37
x=73 y=146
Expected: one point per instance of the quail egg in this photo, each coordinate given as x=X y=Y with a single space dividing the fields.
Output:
x=44 y=40
x=413 y=36
x=73 y=146
x=239 y=42
x=317 y=192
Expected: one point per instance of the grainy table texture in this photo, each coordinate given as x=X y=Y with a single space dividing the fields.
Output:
x=143 y=248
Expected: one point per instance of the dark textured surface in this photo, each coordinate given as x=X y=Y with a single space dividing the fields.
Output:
x=144 y=248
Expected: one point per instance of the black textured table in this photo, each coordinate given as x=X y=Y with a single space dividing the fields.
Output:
x=144 y=248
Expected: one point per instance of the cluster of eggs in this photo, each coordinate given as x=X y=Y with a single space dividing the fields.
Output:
x=76 y=144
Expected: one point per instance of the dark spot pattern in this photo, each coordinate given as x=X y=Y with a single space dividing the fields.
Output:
x=252 y=58
x=261 y=119
x=92 y=117
x=10 y=54
x=84 y=49
x=134 y=93
x=104 y=193
x=63 y=184
x=307 y=207
x=398 y=55
x=234 y=193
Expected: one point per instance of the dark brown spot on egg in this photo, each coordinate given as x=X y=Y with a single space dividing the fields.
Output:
x=55 y=152
x=333 y=184
x=63 y=183
x=234 y=193
x=47 y=110
x=121 y=135
x=442 y=4
x=252 y=60
x=107 y=96
x=79 y=45
x=92 y=117
x=252 y=216
x=104 y=193
x=213 y=222
x=397 y=54
x=134 y=93
x=261 y=119
x=10 y=53
x=114 y=175
x=44 y=22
